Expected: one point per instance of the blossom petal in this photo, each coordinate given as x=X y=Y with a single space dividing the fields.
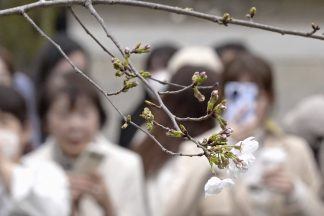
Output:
x=247 y=158
x=249 y=145
x=215 y=185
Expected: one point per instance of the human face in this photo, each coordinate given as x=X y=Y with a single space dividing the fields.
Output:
x=77 y=57
x=63 y=67
x=73 y=129
x=13 y=136
x=5 y=77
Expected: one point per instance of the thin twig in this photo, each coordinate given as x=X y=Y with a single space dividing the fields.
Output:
x=115 y=93
x=93 y=37
x=98 y=87
x=162 y=147
x=89 y=33
x=188 y=137
x=161 y=126
x=58 y=47
x=88 y=4
x=181 y=86
x=167 y=83
x=177 y=91
x=186 y=88
x=202 y=118
x=101 y=21
x=155 y=6
x=198 y=144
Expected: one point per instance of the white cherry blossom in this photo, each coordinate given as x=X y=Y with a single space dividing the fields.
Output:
x=215 y=185
x=245 y=155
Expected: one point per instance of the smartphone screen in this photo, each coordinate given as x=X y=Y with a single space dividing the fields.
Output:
x=241 y=100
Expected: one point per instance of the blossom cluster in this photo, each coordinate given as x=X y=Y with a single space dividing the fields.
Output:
x=241 y=158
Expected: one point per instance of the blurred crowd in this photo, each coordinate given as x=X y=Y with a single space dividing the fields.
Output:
x=56 y=160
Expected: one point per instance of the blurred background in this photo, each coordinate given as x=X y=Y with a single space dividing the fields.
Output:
x=298 y=62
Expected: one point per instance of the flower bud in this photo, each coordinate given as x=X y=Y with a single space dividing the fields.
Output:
x=175 y=133
x=127 y=51
x=128 y=120
x=117 y=64
x=198 y=94
x=226 y=18
x=199 y=78
x=128 y=84
x=315 y=27
x=251 y=13
x=149 y=118
x=212 y=101
x=118 y=73
x=145 y=74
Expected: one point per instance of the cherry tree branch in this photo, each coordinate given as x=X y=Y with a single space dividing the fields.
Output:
x=202 y=118
x=177 y=91
x=100 y=89
x=93 y=11
x=215 y=148
x=90 y=34
x=155 y=6
x=185 y=88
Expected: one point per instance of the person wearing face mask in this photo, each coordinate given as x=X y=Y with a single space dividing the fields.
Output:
x=283 y=180
x=156 y=64
x=32 y=188
x=24 y=85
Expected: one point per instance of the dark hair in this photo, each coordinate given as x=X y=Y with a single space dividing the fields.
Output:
x=256 y=70
x=161 y=53
x=6 y=57
x=183 y=104
x=234 y=45
x=74 y=87
x=12 y=102
x=49 y=56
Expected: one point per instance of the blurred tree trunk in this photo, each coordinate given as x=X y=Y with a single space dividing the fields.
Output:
x=18 y=36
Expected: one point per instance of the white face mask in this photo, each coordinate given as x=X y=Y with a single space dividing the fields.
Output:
x=161 y=75
x=9 y=143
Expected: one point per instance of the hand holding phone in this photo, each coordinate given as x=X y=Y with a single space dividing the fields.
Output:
x=88 y=162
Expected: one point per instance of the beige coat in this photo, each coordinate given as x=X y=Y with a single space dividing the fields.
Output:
x=122 y=172
x=188 y=198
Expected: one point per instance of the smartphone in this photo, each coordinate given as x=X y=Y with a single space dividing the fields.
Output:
x=88 y=162
x=241 y=100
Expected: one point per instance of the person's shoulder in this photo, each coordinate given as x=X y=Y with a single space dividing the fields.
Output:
x=43 y=152
x=119 y=154
x=45 y=172
x=295 y=144
x=42 y=166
